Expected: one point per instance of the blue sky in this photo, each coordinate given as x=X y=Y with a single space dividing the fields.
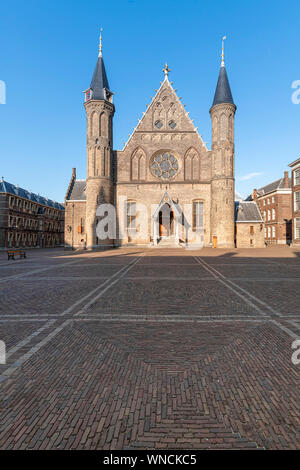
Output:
x=49 y=50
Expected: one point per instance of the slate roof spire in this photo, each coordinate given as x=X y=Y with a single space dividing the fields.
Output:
x=223 y=91
x=99 y=84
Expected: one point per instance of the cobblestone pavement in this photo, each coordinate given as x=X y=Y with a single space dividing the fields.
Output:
x=150 y=349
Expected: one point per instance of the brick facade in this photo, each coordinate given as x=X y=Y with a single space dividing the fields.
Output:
x=28 y=220
x=295 y=179
x=274 y=202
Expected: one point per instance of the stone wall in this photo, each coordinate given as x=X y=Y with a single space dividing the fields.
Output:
x=246 y=239
x=75 y=218
x=181 y=194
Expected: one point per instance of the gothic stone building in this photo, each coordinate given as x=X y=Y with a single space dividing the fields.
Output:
x=164 y=163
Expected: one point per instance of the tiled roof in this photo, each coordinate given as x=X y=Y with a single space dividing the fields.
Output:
x=77 y=192
x=223 y=92
x=99 y=83
x=295 y=162
x=247 y=212
x=9 y=188
x=278 y=184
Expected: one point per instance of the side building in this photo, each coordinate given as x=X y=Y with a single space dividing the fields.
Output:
x=28 y=220
x=249 y=225
x=275 y=204
x=295 y=179
x=75 y=211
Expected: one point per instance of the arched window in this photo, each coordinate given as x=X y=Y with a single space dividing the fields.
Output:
x=103 y=162
x=103 y=125
x=158 y=116
x=135 y=166
x=107 y=161
x=138 y=165
x=94 y=125
x=192 y=165
x=142 y=166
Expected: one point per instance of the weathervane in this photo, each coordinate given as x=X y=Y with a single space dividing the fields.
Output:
x=222 y=61
x=166 y=70
x=100 y=43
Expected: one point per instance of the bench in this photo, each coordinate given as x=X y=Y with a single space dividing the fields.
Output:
x=11 y=253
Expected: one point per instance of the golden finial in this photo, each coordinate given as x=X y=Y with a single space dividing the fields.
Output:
x=100 y=43
x=222 y=61
x=166 y=70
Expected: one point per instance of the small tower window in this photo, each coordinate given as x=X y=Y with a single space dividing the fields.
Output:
x=172 y=124
x=158 y=124
x=88 y=94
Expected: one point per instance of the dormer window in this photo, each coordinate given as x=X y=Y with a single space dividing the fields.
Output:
x=88 y=94
x=108 y=95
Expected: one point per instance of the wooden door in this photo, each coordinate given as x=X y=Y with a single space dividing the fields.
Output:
x=163 y=230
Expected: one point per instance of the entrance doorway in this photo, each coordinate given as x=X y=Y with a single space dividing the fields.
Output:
x=166 y=221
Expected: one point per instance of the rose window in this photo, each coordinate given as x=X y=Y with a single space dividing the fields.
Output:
x=164 y=165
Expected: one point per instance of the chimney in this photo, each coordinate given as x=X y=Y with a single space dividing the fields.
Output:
x=286 y=179
x=74 y=173
x=254 y=194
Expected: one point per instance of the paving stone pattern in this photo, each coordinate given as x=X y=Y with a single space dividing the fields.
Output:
x=150 y=349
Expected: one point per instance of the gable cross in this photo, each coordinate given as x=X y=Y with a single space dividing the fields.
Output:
x=166 y=70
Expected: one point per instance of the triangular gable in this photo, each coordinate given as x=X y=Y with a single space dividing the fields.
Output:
x=166 y=199
x=165 y=107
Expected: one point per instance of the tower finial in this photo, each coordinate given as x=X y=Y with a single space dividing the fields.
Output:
x=100 y=43
x=166 y=70
x=222 y=61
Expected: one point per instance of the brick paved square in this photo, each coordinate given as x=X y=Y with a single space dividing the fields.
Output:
x=169 y=271
x=283 y=297
x=35 y=296
x=157 y=297
x=157 y=349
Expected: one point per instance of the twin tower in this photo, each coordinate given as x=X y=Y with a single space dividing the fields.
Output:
x=111 y=174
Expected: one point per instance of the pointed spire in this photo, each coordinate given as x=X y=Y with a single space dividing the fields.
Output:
x=100 y=43
x=99 y=84
x=222 y=55
x=223 y=91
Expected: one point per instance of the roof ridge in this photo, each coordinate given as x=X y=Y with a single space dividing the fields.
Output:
x=31 y=196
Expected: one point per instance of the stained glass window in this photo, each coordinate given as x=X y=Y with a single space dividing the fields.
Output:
x=164 y=166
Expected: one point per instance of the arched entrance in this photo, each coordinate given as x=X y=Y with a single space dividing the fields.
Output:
x=166 y=221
